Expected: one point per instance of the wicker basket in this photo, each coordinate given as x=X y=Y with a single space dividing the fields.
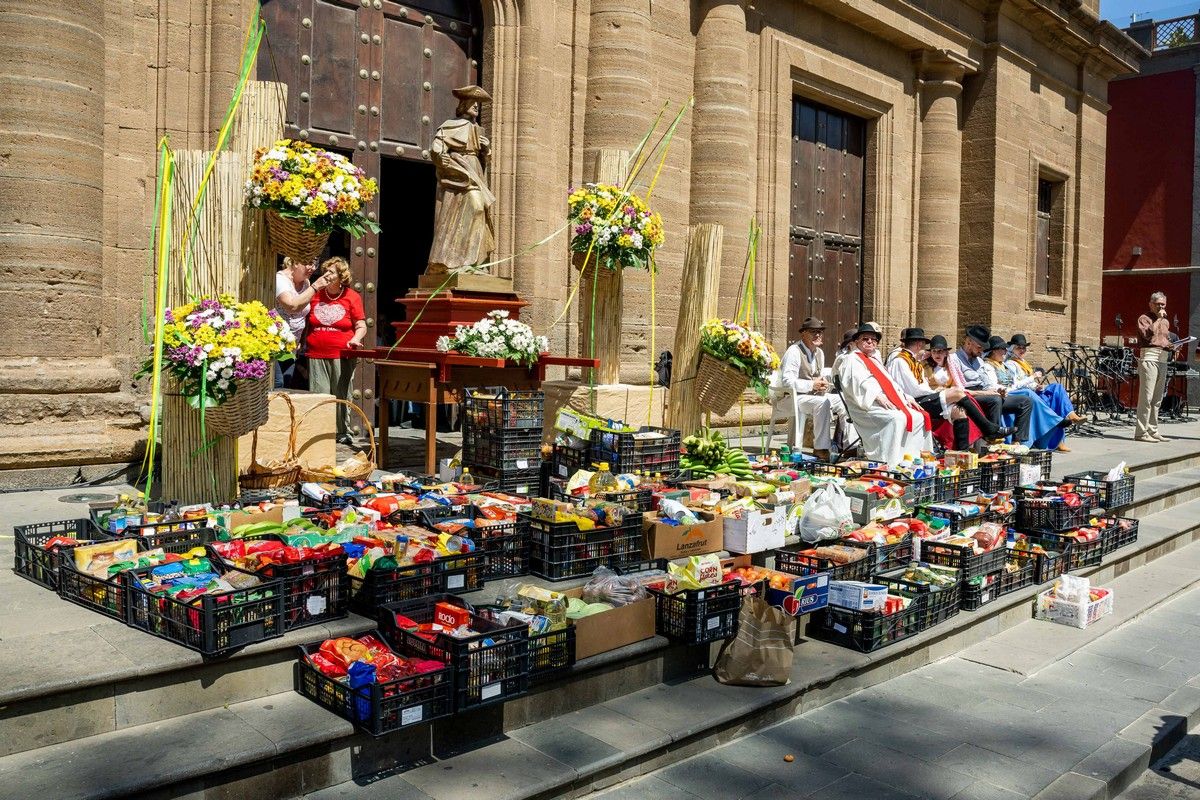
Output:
x=245 y=411
x=325 y=473
x=718 y=385
x=292 y=239
x=277 y=473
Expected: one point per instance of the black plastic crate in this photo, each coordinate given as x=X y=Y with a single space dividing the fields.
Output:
x=997 y=584
x=182 y=538
x=463 y=572
x=490 y=667
x=211 y=624
x=507 y=450
x=31 y=558
x=968 y=483
x=500 y=409
x=624 y=452
x=1119 y=532
x=559 y=550
x=1075 y=554
x=698 y=616
x=378 y=708
x=1043 y=459
x=957 y=521
x=503 y=546
x=524 y=482
x=945 y=487
x=314 y=590
x=999 y=476
x=1050 y=513
x=107 y=596
x=962 y=558
x=382 y=586
x=1047 y=565
x=569 y=460
x=550 y=653
x=893 y=556
x=821 y=469
x=941 y=603
x=1111 y=495
x=794 y=562
x=867 y=631
x=641 y=500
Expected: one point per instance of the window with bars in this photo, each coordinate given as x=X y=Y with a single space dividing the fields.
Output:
x=1049 y=235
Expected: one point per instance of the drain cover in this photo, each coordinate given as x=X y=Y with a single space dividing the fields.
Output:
x=86 y=497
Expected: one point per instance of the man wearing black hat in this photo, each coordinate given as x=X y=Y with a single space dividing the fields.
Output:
x=889 y=421
x=802 y=377
x=966 y=368
x=949 y=422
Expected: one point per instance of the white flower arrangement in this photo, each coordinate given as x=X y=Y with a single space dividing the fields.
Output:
x=496 y=336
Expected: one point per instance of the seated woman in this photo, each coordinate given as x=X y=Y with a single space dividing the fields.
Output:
x=937 y=375
x=1046 y=430
x=1027 y=377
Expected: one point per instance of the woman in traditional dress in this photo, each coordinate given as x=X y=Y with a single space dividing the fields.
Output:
x=1046 y=431
x=1025 y=376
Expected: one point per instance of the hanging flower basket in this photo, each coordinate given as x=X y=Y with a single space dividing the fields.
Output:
x=718 y=385
x=288 y=236
x=244 y=412
x=614 y=225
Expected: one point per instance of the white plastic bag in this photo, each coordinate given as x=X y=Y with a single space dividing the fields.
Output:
x=826 y=514
x=1116 y=473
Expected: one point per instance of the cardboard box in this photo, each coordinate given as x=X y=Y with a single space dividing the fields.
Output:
x=863 y=504
x=232 y=519
x=800 y=595
x=962 y=459
x=609 y=630
x=857 y=595
x=315 y=445
x=757 y=531
x=661 y=540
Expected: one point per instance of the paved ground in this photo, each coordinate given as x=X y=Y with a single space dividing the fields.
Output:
x=965 y=730
x=1176 y=776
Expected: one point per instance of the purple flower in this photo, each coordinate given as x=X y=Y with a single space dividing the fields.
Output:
x=253 y=369
x=168 y=316
x=583 y=229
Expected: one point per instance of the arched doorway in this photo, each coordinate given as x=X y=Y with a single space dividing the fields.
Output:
x=373 y=79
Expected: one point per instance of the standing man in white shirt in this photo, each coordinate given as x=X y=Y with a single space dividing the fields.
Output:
x=801 y=376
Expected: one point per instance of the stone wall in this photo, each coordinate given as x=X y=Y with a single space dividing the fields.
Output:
x=1025 y=82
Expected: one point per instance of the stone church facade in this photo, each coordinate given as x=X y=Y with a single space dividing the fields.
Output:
x=934 y=162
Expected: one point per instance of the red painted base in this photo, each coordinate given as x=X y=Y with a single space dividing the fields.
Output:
x=439 y=315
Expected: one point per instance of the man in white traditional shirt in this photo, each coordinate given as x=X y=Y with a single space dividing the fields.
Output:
x=802 y=375
x=890 y=422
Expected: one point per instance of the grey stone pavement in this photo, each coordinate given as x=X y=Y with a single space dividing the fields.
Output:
x=963 y=730
x=1175 y=776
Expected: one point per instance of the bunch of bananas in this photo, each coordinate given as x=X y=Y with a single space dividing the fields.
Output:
x=706 y=454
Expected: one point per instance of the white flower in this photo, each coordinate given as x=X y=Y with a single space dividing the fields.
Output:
x=443 y=344
x=223 y=384
x=208 y=348
x=227 y=373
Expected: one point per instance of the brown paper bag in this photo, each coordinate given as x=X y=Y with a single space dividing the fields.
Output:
x=761 y=653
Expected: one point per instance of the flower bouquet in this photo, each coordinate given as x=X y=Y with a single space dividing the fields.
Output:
x=496 y=336
x=221 y=352
x=618 y=228
x=308 y=193
x=732 y=356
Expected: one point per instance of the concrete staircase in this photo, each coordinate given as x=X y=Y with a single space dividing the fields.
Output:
x=92 y=708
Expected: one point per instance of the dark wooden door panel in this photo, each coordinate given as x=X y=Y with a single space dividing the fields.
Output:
x=334 y=67
x=280 y=58
x=400 y=112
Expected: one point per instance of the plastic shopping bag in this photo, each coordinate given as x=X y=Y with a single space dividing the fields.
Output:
x=826 y=514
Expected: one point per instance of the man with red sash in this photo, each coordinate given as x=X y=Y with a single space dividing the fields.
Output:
x=890 y=422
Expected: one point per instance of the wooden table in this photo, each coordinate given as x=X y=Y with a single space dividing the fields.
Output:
x=431 y=377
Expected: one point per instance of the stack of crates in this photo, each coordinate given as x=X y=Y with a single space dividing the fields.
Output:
x=502 y=437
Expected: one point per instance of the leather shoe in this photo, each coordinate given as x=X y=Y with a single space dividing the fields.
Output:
x=1004 y=433
x=1074 y=419
x=1062 y=448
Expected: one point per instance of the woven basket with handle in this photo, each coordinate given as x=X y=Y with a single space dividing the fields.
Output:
x=718 y=385
x=326 y=473
x=290 y=237
x=245 y=411
x=276 y=473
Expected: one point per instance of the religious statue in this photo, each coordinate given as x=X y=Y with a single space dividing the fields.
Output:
x=462 y=225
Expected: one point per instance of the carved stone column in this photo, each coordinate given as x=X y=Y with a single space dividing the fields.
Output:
x=721 y=190
x=941 y=192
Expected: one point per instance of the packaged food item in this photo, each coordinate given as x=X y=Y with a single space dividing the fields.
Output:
x=95 y=559
x=612 y=589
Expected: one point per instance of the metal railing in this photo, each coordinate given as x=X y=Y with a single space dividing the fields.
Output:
x=1164 y=34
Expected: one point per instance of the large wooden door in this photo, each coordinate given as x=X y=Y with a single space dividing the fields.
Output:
x=825 y=265
x=373 y=78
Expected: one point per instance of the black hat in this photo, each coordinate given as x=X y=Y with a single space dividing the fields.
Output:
x=812 y=324
x=1018 y=340
x=848 y=335
x=868 y=329
x=938 y=342
x=997 y=343
x=913 y=335
x=979 y=333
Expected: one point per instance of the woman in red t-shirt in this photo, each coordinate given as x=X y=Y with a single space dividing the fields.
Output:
x=335 y=323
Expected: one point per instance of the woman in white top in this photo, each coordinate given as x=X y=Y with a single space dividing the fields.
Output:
x=293 y=293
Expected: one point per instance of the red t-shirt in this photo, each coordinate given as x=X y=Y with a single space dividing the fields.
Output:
x=331 y=323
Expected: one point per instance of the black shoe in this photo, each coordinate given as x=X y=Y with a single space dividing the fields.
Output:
x=1003 y=433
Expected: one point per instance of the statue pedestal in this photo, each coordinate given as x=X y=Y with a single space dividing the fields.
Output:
x=439 y=314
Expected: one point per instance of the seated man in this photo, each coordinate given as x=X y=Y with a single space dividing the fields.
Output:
x=890 y=422
x=950 y=424
x=801 y=377
x=966 y=370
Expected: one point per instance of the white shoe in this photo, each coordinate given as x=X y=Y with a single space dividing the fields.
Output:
x=1158 y=437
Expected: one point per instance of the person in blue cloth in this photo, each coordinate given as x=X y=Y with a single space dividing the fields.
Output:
x=1026 y=376
x=1046 y=430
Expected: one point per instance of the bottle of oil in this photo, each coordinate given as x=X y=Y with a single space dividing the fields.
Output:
x=602 y=479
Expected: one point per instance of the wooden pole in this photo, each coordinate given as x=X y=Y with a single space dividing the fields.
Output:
x=259 y=123
x=188 y=475
x=702 y=277
x=611 y=167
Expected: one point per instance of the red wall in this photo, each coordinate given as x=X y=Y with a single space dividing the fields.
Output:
x=1148 y=176
x=1128 y=294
